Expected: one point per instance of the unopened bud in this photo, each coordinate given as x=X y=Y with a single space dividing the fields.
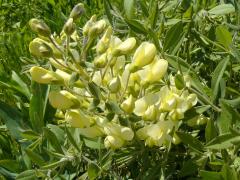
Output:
x=176 y=140
x=77 y=11
x=69 y=27
x=40 y=27
x=44 y=76
x=197 y=121
x=103 y=43
x=114 y=85
x=40 y=48
x=125 y=47
x=100 y=61
x=128 y=105
x=97 y=28
x=63 y=100
x=89 y=24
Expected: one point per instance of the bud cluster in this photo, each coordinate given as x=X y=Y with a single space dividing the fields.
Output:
x=127 y=73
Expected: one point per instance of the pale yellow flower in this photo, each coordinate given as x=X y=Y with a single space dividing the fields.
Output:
x=77 y=119
x=143 y=56
x=44 y=76
x=63 y=100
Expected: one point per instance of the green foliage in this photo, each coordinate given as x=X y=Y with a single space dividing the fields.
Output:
x=197 y=37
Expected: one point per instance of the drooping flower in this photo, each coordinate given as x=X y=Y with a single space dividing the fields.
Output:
x=44 y=76
x=143 y=56
x=63 y=100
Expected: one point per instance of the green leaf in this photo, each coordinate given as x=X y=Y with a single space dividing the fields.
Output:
x=155 y=39
x=174 y=38
x=93 y=143
x=207 y=175
x=38 y=104
x=154 y=14
x=179 y=81
x=10 y=165
x=27 y=175
x=217 y=76
x=233 y=102
x=189 y=168
x=16 y=84
x=194 y=143
x=223 y=36
x=113 y=107
x=53 y=140
x=210 y=131
x=228 y=117
x=223 y=141
x=60 y=134
x=71 y=139
x=222 y=9
x=136 y=26
x=35 y=157
x=30 y=135
x=12 y=119
x=107 y=6
x=93 y=171
x=177 y=62
x=129 y=7
x=229 y=173
x=144 y=8
x=20 y=85
x=95 y=90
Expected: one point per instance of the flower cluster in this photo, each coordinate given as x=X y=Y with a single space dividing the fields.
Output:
x=94 y=69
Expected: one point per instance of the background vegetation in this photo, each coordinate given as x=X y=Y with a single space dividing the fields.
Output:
x=200 y=37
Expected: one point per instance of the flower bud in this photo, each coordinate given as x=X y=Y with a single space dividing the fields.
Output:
x=113 y=142
x=143 y=56
x=89 y=24
x=39 y=27
x=77 y=11
x=97 y=28
x=127 y=133
x=150 y=114
x=69 y=27
x=114 y=85
x=63 y=100
x=125 y=47
x=40 y=48
x=77 y=119
x=176 y=140
x=100 y=61
x=44 y=76
x=103 y=43
x=197 y=121
x=128 y=105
